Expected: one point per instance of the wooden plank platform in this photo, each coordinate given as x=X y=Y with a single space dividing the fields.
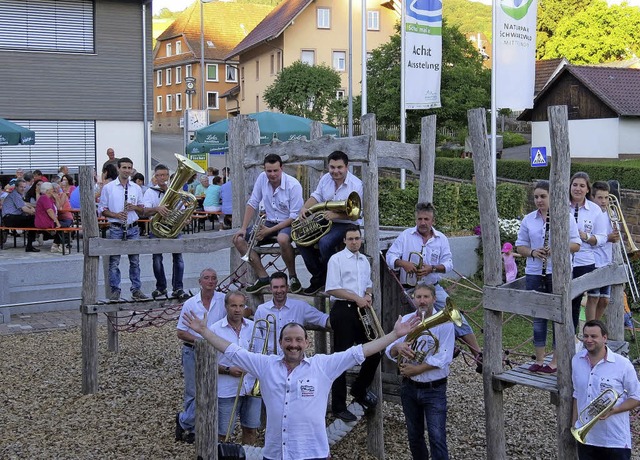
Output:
x=522 y=376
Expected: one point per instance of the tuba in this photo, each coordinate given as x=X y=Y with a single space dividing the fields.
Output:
x=181 y=204
x=449 y=313
x=596 y=409
x=307 y=232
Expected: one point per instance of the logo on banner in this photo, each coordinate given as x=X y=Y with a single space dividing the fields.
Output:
x=425 y=10
x=517 y=9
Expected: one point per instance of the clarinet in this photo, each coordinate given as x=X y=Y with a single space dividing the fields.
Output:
x=545 y=246
x=126 y=219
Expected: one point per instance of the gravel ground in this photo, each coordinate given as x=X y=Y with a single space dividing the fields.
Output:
x=44 y=414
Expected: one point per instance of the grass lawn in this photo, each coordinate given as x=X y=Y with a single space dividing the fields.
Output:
x=517 y=332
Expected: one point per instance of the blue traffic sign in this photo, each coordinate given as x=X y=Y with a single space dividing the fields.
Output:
x=538 y=157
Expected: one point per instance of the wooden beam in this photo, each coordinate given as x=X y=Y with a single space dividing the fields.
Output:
x=142 y=306
x=528 y=303
x=212 y=242
x=398 y=155
x=603 y=276
x=206 y=401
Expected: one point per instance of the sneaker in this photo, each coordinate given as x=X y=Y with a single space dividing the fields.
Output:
x=345 y=416
x=312 y=290
x=258 y=286
x=159 y=293
x=39 y=240
x=137 y=294
x=180 y=294
x=294 y=285
x=56 y=249
x=115 y=294
x=179 y=430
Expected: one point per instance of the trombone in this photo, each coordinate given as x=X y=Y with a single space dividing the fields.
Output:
x=255 y=390
x=615 y=215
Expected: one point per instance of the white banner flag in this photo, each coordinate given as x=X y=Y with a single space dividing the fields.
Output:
x=422 y=53
x=515 y=59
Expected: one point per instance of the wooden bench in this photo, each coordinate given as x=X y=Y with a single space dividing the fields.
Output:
x=201 y=218
x=24 y=230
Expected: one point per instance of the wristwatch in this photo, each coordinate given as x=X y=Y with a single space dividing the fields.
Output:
x=227 y=370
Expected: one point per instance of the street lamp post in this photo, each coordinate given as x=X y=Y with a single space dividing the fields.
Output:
x=202 y=72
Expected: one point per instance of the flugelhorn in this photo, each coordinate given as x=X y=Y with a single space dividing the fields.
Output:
x=253 y=240
x=181 y=204
x=372 y=328
x=596 y=409
x=306 y=232
x=412 y=278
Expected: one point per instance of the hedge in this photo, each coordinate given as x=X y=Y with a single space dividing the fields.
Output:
x=461 y=168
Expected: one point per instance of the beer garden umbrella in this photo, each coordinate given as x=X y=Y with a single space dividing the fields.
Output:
x=272 y=125
x=13 y=134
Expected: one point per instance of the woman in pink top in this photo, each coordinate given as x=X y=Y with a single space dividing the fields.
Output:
x=47 y=215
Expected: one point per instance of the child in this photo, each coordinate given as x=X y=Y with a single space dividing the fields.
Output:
x=508 y=257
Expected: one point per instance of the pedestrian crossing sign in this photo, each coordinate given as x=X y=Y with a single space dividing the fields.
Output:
x=538 y=157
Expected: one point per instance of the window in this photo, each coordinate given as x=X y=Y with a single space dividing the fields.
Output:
x=340 y=94
x=179 y=74
x=189 y=101
x=159 y=78
x=159 y=104
x=257 y=104
x=308 y=57
x=257 y=70
x=169 y=102
x=324 y=18
x=242 y=83
x=373 y=20
x=187 y=71
x=339 y=60
x=272 y=64
x=212 y=100
x=47 y=25
x=278 y=61
x=232 y=73
x=178 y=101
x=178 y=47
x=212 y=72
x=167 y=77
x=168 y=48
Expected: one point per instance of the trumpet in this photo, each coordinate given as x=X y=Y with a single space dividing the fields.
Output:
x=596 y=409
x=369 y=320
x=253 y=239
x=615 y=215
x=255 y=390
x=412 y=278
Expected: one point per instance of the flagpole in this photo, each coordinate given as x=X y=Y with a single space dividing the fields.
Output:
x=403 y=111
x=350 y=109
x=494 y=34
x=363 y=91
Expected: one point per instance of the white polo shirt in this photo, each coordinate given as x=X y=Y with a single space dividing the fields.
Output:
x=293 y=311
x=590 y=219
x=280 y=204
x=327 y=191
x=616 y=372
x=112 y=198
x=228 y=384
x=194 y=305
x=296 y=403
x=604 y=253
x=435 y=251
x=348 y=270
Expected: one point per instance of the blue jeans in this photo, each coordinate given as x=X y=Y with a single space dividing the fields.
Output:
x=249 y=408
x=188 y=415
x=177 y=272
x=431 y=404
x=540 y=284
x=441 y=298
x=133 y=233
x=316 y=259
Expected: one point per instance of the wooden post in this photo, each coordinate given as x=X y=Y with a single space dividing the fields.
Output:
x=320 y=337
x=113 y=344
x=427 y=158
x=5 y=296
x=375 y=439
x=492 y=355
x=89 y=283
x=565 y=345
x=615 y=311
x=206 y=401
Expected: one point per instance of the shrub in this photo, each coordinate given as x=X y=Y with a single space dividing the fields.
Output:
x=510 y=139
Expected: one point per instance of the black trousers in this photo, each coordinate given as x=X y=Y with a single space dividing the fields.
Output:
x=588 y=452
x=348 y=331
x=13 y=220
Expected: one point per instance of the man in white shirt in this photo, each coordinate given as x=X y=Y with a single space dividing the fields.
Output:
x=238 y=330
x=281 y=195
x=433 y=245
x=595 y=369
x=295 y=389
x=211 y=302
x=285 y=310
x=152 y=198
x=349 y=285
x=120 y=203
x=336 y=185
x=425 y=368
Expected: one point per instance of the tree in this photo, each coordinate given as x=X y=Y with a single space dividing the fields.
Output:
x=598 y=34
x=550 y=13
x=465 y=83
x=303 y=90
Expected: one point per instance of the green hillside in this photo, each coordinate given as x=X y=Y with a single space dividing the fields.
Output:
x=470 y=17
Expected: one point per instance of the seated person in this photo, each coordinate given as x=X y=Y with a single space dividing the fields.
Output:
x=47 y=215
x=212 y=196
